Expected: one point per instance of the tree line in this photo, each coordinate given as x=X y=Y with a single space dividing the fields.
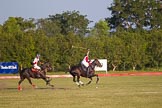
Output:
x=53 y=37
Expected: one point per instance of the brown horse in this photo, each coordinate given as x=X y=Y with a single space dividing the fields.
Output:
x=27 y=73
x=78 y=71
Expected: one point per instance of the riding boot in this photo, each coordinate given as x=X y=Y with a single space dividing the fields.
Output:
x=88 y=71
x=38 y=74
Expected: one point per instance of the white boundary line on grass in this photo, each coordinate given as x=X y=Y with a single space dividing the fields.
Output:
x=52 y=76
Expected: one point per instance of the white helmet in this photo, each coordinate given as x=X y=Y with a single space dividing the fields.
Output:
x=38 y=55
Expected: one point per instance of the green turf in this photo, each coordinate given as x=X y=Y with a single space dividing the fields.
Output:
x=112 y=92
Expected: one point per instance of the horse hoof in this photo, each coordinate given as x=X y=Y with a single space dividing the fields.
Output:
x=52 y=86
x=34 y=86
x=79 y=86
x=19 y=89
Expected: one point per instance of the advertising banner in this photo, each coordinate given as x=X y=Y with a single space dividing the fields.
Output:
x=8 y=67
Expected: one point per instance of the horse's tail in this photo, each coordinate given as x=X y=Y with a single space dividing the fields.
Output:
x=20 y=68
x=71 y=68
x=68 y=68
x=21 y=71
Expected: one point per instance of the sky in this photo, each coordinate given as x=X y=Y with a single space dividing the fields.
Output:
x=94 y=9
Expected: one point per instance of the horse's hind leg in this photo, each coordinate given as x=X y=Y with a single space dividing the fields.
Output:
x=74 y=79
x=19 y=83
x=34 y=86
x=78 y=81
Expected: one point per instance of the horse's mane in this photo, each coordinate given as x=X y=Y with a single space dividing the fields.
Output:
x=94 y=60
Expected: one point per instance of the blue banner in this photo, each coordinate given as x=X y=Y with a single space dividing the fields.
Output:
x=8 y=67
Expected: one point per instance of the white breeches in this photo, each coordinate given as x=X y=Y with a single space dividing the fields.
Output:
x=37 y=67
x=85 y=63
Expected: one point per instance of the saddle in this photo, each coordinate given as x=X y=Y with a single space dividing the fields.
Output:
x=34 y=70
x=84 y=68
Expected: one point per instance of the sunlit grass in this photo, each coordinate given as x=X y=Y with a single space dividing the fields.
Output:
x=112 y=92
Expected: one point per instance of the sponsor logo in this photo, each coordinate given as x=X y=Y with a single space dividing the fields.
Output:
x=8 y=67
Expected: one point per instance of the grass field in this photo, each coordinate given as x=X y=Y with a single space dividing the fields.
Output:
x=112 y=92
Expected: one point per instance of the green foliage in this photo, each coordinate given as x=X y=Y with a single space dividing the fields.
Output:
x=48 y=27
x=70 y=22
x=135 y=14
x=154 y=48
x=100 y=29
x=54 y=37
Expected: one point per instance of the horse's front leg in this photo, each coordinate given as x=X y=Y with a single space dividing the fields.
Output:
x=89 y=81
x=97 y=78
x=48 y=79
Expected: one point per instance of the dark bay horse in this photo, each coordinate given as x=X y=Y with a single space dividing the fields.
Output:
x=77 y=71
x=27 y=73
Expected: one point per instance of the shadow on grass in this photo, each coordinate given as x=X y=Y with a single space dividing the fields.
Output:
x=40 y=88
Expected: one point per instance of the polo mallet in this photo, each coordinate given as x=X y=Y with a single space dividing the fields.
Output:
x=78 y=47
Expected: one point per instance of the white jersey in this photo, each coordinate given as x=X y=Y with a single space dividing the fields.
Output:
x=35 y=63
x=86 y=61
